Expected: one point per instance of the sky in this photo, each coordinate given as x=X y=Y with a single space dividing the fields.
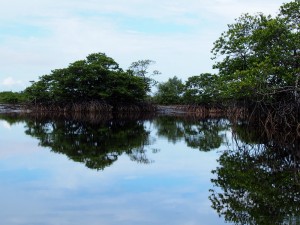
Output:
x=37 y=36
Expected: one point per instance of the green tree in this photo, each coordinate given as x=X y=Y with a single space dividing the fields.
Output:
x=260 y=56
x=125 y=88
x=97 y=78
x=10 y=97
x=289 y=14
x=40 y=91
x=201 y=89
x=140 y=69
x=170 y=92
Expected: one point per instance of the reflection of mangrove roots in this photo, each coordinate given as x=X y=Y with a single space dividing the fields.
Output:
x=203 y=111
x=91 y=106
x=86 y=117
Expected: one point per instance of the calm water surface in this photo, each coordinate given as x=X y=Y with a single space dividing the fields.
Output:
x=163 y=170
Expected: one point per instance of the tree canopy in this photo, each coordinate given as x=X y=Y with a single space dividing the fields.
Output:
x=201 y=89
x=140 y=69
x=98 y=77
x=10 y=97
x=170 y=92
x=260 y=56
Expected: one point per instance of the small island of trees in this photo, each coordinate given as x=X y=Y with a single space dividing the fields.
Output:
x=94 y=83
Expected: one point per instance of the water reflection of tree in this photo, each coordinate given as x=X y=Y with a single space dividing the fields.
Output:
x=259 y=182
x=202 y=134
x=96 y=143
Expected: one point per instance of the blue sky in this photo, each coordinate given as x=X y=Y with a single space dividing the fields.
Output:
x=37 y=36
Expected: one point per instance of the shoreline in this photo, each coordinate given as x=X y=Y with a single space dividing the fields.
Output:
x=160 y=109
x=11 y=108
x=165 y=110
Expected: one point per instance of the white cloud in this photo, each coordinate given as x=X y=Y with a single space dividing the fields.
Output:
x=10 y=81
x=6 y=125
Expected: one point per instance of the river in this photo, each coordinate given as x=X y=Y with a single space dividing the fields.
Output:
x=145 y=170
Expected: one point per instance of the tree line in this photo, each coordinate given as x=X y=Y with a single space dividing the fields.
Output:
x=257 y=59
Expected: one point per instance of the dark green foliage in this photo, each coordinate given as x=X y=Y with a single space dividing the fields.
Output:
x=9 y=97
x=97 y=78
x=201 y=89
x=260 y=56
x=125 y=88
x=170 y=92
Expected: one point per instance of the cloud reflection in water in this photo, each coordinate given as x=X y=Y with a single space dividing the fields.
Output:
x=40 y=187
